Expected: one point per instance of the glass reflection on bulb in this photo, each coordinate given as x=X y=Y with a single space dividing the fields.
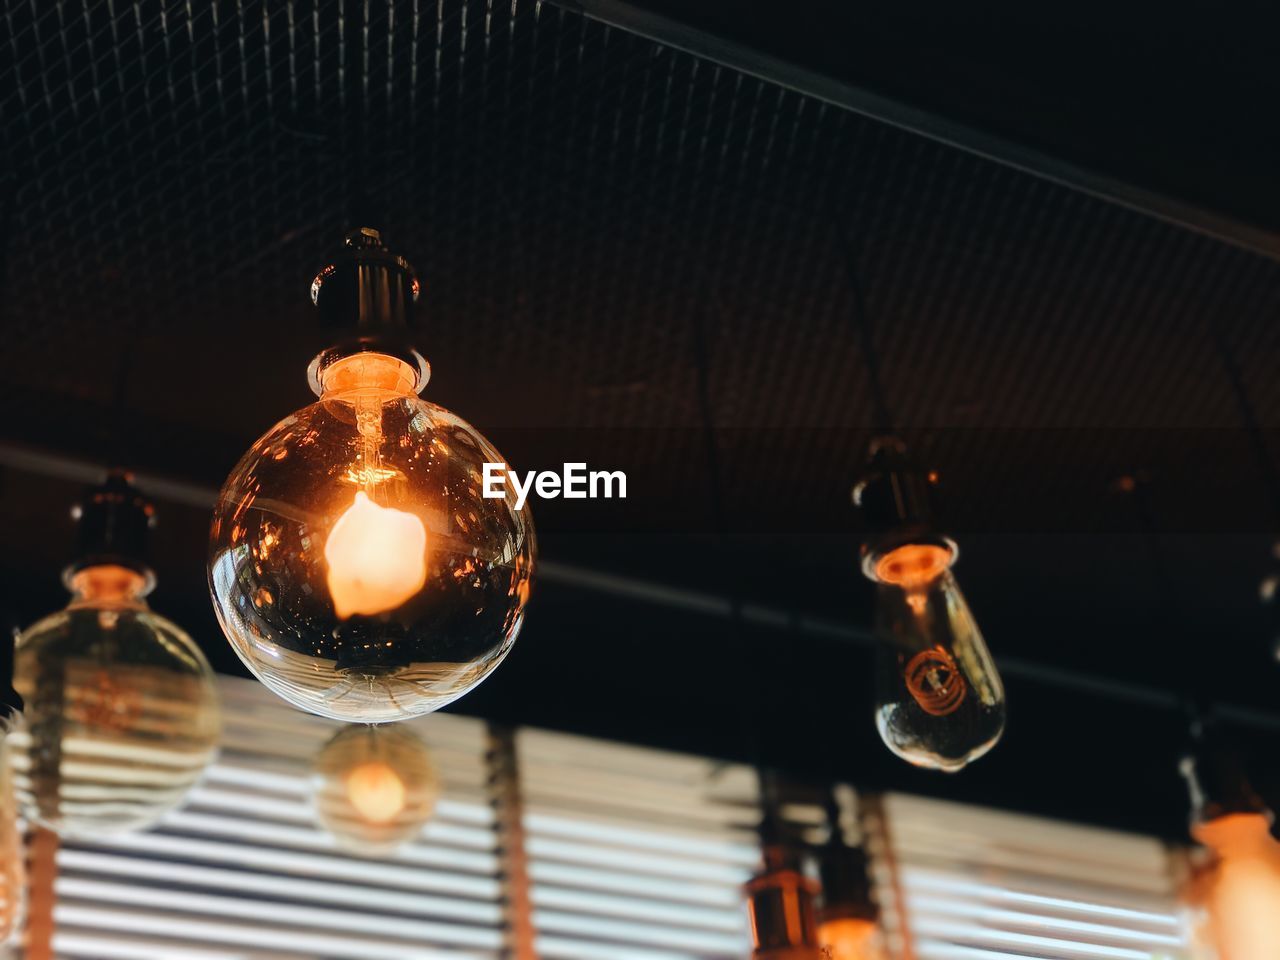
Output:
x=355 y=565
x=122 y=712
x=1240 y=890
x=939 y=700
x=375 y=788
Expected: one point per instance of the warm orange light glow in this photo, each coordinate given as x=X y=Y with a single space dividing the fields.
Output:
x=1241 y=890
x=377 y=558
x=850 y=939
x=108 y=583
x=376 y=792
x=913 y=565
x=368 y=375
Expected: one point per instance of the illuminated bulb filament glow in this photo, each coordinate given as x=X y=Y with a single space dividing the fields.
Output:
x=377 y=558
x=376 y=792
x=1244 y=887
x=849 y=939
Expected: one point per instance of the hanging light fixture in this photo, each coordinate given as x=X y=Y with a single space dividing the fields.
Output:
x=939 y=700
x=1237 y=891
x=780 y=906
x=13 y=880
x=355 y=565
x=121 y=710
x=848 y=918
x=375 y=788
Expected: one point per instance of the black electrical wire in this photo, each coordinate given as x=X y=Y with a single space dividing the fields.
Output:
x=864 y=330
x=1267 y=467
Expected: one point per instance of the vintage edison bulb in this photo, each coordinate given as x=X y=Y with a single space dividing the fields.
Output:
x=355 y=565
x=13 y=881
x=939 y=700
x=375 y=788
x=850 y=938
x=122 y=712
x=1240 y=890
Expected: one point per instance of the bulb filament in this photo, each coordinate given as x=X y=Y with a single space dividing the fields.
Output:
x=935 y=682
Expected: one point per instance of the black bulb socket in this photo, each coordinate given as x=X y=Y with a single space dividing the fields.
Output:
x=113 y=527
x=366 y=288
x=894 y=497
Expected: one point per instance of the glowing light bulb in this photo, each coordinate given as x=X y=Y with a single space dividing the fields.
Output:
x=355 y=565
x=375 y=791
x=122 y=712
x=850 y=939
x=939 y=700
x=375 y=788
x=13 y=881
x=1239 y=891
x=377 y=558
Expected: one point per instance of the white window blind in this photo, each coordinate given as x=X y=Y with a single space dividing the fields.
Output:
x=632 y=854
x=242 y=872
x=982 y=884
x=636 y=854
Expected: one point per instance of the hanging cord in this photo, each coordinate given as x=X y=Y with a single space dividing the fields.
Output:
x=864 y=329
x=754 y=694
x=1249 y=417
x=1192 y=693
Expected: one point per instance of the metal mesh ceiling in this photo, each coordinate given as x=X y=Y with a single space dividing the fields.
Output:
x=591 y=213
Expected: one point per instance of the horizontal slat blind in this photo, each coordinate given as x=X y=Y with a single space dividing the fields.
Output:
x=988 y=885
x=636 y=854
x=242 y=872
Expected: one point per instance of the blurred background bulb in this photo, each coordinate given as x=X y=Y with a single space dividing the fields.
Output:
x=939 y=700
x=355 y=566
x=375 y=788
x=13 y=881
x=121 y=708
x=1234 y=891
x=1239 y=890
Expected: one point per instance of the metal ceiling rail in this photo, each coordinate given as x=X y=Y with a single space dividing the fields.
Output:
x=183 y=493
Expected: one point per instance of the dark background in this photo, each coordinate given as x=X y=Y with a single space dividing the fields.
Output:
x=622 y=244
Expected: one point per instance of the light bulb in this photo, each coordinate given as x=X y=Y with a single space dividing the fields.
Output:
x=121 y=714
x=355 y=565
x=939 y=700
x=1240 y=890
x=375 y=788
x=13 y=881
x=850 y=938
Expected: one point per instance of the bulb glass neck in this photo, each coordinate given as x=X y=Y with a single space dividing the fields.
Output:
x=913 y=565
x=368 y=369
x=109 y=585
x=1236 y=834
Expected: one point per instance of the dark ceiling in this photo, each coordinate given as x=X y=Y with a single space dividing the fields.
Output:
x=619 y=240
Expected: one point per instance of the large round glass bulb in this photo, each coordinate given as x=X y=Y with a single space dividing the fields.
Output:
x=121 y=710
x=356 y=566
x=375 y=788
x=939 y=700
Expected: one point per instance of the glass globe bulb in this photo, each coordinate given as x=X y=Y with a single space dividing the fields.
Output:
x=121 y=715
x=355 y=565
x=1239 y=891
x=375 y=788
x=939 y=700
x=850 y=938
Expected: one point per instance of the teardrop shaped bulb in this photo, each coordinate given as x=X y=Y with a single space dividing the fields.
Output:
x=939 y=700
